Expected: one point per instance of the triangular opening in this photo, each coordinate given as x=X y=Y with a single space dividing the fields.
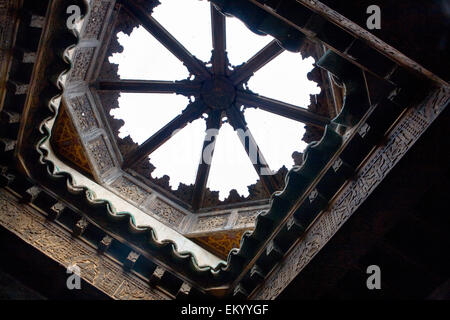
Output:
x=179 y=157
x=145 y=113
x=277 y=137
x=231 y=168
x=285 y=79
x=242 y=43
x=145 y=58
x=189 y=21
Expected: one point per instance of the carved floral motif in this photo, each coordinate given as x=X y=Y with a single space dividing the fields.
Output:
x=166 y=213
x=209 y=223
x=83 y=113
x=97 y=17
x=81 y=62
x=247 y=217
x=129 y=190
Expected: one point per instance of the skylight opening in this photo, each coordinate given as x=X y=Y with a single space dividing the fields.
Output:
x=180 y=156
x=231 y=168
x=285 y=79
x=145 y=113
x=242 y=43
x=192 y=31
x=145 y=58
x=277 y=137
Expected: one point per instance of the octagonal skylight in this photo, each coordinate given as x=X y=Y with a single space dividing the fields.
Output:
x=233 y=80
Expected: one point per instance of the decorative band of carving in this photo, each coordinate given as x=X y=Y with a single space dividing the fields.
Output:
x=96 y=19
x=166 y=213
x=99 y=152
x=81 y=62
x=210 y=223
x=129 y=190
x=246 y=218
x=58 y=245
x=84 y=115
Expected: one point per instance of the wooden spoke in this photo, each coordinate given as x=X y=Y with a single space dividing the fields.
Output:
x=237 y=121
x=162 y=35
x=259 y=60
x=213 y=124
x=290 y=111
x=192 y=112
x=184 y=87
x=219 y=58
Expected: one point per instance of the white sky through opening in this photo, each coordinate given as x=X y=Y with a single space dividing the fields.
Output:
x=231 y=168
x=284 y=78
x=144 y=114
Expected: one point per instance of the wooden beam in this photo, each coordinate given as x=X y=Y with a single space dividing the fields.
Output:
x=237 y=121
x=194 y=65
x=249 y=99
x=184 y=87
x=192 y=112
x=213 y=122
x=219 y=57
x=259 y=60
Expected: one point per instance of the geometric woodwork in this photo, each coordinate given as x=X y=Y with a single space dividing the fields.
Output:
x=221 y=243
x=66 y=142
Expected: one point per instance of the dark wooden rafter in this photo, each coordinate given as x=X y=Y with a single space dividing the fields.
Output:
x=213 y=124
x=183 y=87
x=259 y=60
x=237 y=120
x=194 y=65
x=219 y=56
x=192 y=112
x=249 y=99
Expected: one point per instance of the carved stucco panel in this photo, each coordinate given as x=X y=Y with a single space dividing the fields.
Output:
x=129 y=190
x=96 y=19
x=84 y=114
x=246 y=218
x=81 y=61
x=210 y=223
x=100 y=155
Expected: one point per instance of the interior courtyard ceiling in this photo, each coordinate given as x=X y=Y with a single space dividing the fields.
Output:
x=329 y=163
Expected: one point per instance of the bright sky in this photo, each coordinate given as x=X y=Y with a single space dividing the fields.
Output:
x=284 y=78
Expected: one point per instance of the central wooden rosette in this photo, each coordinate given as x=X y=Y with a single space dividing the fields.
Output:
x=218 y=93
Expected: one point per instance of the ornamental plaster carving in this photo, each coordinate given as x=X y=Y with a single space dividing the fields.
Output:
x=210 y=223
x=96 y=20
x=246 y=218
x=100 y=154
x=81 y=61
x=166 y=213
x=129 y=190
x=84 y=114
